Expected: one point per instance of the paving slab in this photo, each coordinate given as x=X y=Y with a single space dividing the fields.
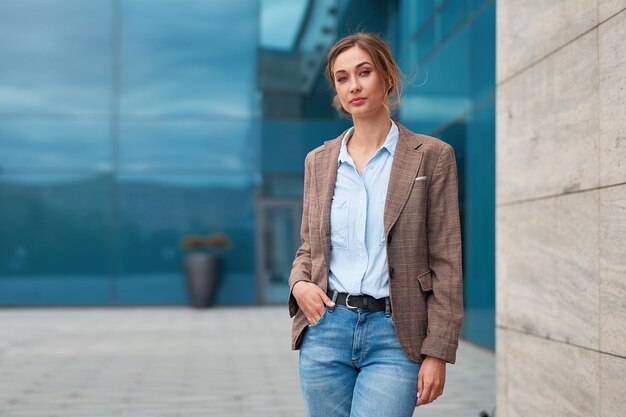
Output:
x=179 y=361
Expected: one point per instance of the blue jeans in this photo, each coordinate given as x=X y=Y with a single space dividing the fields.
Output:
x=351 y=364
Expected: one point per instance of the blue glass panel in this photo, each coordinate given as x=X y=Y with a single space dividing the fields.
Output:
x=56 y=56
x=451 y=15
x=54 y=144
x=189 y=57
x=426 y=40
x=286 y=142
x=280 y=22
x=478 y=4
x=440 y=92
x=211 y=145
x=480 y=227
x=456 y=135
x=483 y=58
x=55 y=243
x=404 y=22
x=449 y=73
x=157 y=211
x=423 y=9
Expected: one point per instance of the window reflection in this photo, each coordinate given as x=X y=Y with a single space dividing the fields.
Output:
x=55 y=56
x=54 y=245
x=227 y=145
x=54 y=144
x=157 y=211
x=188 y=58
x=280 y=22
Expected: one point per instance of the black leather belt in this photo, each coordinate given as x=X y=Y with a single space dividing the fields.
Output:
x=365 y=302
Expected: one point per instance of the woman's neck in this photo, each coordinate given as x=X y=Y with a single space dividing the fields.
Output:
x=370 y=133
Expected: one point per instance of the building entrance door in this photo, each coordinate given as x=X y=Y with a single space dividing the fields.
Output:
x=277 y=240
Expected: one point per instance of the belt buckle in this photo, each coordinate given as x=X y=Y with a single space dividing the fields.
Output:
x=348 y=303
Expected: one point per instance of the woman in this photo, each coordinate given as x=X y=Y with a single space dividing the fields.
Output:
x=376 y=286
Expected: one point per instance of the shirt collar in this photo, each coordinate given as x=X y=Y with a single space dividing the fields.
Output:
x=390 y=143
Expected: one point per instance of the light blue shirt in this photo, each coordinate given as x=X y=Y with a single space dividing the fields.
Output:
x=358 y=253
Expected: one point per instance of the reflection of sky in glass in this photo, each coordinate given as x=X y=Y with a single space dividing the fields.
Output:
x=189 y=57
x=55 y=56
x=54 y=144
x=280 y=22
x=188 y=145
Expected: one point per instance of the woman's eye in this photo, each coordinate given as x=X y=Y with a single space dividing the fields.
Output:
x=341 y=79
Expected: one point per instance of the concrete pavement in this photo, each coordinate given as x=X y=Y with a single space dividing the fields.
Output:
x=177 y=361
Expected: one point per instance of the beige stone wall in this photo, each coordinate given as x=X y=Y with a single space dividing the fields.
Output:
x=561 y=208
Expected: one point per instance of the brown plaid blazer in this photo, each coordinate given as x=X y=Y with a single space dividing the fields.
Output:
x=423 y=232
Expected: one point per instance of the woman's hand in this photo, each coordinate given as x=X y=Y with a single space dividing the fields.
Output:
x=311 y=299
x=430 y=380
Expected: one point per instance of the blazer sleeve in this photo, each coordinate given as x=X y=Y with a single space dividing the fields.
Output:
x=445 y=303
x=301 y=267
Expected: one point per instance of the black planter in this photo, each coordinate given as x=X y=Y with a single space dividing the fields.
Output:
x=202 y=273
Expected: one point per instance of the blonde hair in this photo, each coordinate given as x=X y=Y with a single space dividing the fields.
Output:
x=378 y=49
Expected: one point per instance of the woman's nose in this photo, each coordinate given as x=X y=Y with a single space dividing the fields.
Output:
x=355 y=87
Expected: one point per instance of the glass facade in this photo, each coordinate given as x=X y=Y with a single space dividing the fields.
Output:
x=126 y=125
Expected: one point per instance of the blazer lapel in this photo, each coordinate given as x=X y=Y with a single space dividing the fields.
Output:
x=406 y=163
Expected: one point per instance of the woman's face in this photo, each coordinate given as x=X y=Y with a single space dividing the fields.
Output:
x=355 y=76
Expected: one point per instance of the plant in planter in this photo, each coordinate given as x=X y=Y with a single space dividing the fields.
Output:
x=203 y=264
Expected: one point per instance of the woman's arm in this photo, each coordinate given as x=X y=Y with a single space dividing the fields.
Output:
x=308 y=297
x=445 y=304
x=301 y=267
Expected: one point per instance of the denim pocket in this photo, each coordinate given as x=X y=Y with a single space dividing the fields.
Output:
x=339 y=223
x=324 y=314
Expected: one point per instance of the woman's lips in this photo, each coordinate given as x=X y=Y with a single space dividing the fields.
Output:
x=358 y=101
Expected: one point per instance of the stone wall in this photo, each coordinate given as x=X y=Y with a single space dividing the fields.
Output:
x=561 y=208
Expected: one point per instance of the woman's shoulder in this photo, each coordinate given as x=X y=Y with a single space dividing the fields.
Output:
x=429 y=142
x=327 y=144
x=312 y=153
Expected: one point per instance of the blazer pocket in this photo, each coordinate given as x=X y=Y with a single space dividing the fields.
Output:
x=418 y=196
x=426 y=281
